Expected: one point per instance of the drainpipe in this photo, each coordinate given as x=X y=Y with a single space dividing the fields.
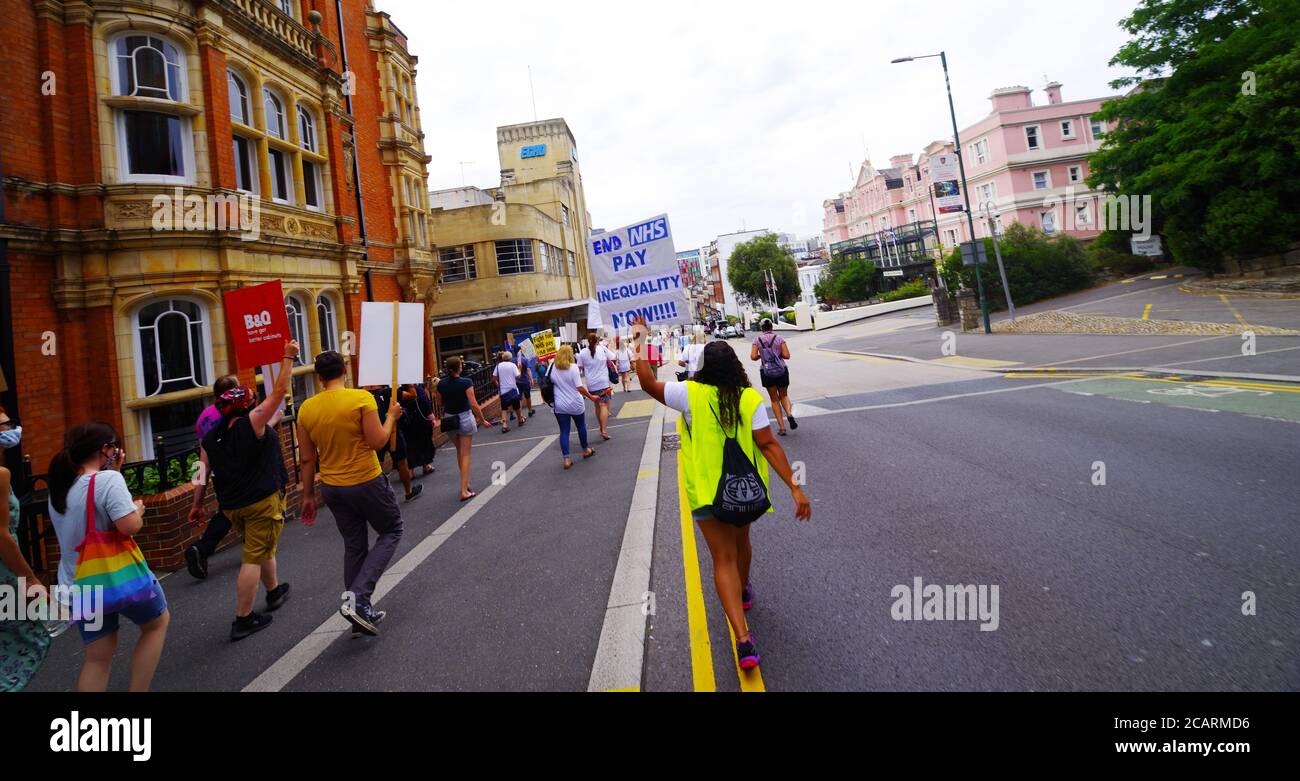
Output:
x=356 y=166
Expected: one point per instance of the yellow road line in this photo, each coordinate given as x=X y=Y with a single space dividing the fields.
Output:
x=641 y=408
x=974 y=363
x=697 y=620
x=629 y=689
x=1233 y=309
x=750 y=680
x=1146 y=313
x=1242 y=384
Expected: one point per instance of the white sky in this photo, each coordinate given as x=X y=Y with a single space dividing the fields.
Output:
x=729 y=114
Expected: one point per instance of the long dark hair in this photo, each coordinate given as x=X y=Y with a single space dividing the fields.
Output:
x=592 y=340
x=79 y=444
x=720 y=368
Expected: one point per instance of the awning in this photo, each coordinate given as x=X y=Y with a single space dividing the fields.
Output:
x=512 y=311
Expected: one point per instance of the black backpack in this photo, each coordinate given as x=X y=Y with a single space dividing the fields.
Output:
x=546 y=386
x=741 y=497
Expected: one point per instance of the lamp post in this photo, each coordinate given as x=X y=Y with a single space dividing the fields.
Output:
x=961 y=163
x=997 y=248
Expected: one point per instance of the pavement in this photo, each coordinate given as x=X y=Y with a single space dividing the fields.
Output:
x=1124 y=519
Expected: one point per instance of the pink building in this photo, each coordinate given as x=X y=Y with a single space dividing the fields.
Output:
x=1028 y=161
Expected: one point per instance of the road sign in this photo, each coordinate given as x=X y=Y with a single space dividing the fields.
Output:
x=1148 y=247
x=894 y=273
x=973 y=252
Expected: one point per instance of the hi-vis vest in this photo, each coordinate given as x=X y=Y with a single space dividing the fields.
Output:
x=702 y=442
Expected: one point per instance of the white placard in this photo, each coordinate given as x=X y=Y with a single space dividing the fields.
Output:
x=636 y=274
x=271 y=373
x=376 y=348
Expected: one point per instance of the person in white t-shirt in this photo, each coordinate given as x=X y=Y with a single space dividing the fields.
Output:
x=691 y=354
x=623 y=355
x=570 y=408
x=594 y=361
x=506 y=376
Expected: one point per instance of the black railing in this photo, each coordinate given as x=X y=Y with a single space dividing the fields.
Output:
x=164 y=472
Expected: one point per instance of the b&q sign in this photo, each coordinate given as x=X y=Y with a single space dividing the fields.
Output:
x=258 y=324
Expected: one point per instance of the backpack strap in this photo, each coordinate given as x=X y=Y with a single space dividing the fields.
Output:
x=90 y=505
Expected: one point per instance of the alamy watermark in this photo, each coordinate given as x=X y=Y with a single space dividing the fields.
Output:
x=212 y=212
x=66 y=604
x=921 y=602
x=1093 y=211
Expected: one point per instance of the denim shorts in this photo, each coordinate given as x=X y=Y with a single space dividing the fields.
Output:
x=139 y=613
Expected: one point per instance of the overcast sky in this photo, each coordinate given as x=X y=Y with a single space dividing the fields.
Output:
x=727 y=114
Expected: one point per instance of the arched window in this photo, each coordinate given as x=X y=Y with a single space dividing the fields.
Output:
x=297 y=314
x=274 y=113
x=171 y=340
x=328 y=323
x=238 y=99
x=149 y=67
x=153 y=141
x=306 y=128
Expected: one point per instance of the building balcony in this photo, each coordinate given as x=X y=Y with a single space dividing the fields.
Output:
x=269 y=24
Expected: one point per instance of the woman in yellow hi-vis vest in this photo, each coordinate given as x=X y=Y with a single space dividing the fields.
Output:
x=723 y=428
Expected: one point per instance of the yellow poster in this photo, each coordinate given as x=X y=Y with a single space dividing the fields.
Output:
x=544 y=344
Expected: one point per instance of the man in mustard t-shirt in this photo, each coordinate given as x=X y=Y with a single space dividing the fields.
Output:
x=339 y=432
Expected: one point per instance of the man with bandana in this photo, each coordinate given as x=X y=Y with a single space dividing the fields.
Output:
x=243 y=454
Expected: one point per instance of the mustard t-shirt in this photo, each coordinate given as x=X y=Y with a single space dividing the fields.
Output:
x=332 y=419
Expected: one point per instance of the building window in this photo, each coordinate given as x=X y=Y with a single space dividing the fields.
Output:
x=911 y=215
x=951 y=236
x=544 y=250
x=981 y=148
x=1067 y=128
x=280 y=177
x=238 y=99
x=297 y=314
x=573 y=265
x=1082 y=215
x=1049 y=221
x=564 y=212
x=171 y=339
x=153 y=145
x=1031 y=137
x=466 y=346
x=286 y=6
x=327 y=321
x=1098 y=129
x=458 y=263
x=274 y=113
x=987 y=193
x=311 y=184
x=245 y=165
x=1041 y=180
x=306 y=129
x=515 y=256
x=1076 y=173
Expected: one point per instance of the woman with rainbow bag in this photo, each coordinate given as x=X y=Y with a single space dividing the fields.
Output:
x=102 y=569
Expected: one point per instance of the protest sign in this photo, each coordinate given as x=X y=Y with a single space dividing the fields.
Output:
x=392 y=345
x=636 y=274
x=258 y=324
x=544 y=345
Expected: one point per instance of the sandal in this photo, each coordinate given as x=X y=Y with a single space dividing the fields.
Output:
x=590 y=452
x=605 y=437
x=472 y=494
x=568 y=464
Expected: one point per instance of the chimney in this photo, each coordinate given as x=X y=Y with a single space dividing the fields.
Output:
x=1053 y=90
x=1007 y=98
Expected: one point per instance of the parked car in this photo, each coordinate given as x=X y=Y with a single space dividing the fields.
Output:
x=732 y=331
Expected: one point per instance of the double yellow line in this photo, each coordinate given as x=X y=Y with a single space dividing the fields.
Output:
x=697 y=619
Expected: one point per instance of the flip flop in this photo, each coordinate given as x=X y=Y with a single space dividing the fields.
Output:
x=472 y=494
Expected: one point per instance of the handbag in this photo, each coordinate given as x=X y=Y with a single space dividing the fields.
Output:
x=613 y=373
x=546 y=386
x=111 y=561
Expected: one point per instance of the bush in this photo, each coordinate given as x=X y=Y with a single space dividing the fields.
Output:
x=1116 y=261
x=1037 y=266
x=910 y=289
x=788 y=317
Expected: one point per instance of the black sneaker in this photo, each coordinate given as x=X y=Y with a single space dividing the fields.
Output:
x=196 y=562
x=747 y=654
x=375 y=617
x=360 y=618
x=416 y=490
x=794 y=424
x=249 y=624
x=276 y=597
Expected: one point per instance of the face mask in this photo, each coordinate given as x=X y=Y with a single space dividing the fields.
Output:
x=10 y=439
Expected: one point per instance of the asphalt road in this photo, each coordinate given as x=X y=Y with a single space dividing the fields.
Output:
x=946 y=473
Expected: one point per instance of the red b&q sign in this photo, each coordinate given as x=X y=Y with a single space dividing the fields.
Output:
x=258 y=324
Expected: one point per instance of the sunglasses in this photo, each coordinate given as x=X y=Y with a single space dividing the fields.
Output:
x=11 y=422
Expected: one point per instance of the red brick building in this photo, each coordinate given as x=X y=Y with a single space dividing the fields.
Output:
x=278 y=111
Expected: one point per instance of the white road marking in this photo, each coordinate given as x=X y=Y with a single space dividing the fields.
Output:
x=620 y=654
x=287 y=667
x=1142 y=350
x=956 y=396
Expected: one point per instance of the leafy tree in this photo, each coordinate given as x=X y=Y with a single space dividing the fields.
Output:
x=751 y=259
x=1037 y=267
x=1210 y=132
x=846 y=279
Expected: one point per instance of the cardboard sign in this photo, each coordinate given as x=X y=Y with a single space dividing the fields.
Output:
x=527 y=350
x=544 y=344
x=383 y=362
x=258 y=324
x=636 y=274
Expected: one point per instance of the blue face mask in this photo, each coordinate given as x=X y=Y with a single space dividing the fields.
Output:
x=10 y=439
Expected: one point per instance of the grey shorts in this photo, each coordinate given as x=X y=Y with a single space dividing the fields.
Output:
x=467 y=424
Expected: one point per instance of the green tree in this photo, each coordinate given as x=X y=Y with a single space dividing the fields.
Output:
x=846 y=279
x=1038 y=267
x=748 y=263
x=1210 y=132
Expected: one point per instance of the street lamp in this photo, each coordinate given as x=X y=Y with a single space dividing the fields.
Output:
x=997 y=248
x=961 y=163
